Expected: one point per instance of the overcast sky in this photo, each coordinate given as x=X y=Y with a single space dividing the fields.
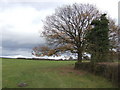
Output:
x=21 y=21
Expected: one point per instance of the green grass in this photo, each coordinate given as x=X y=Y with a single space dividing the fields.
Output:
x=0 y=73
x=48 y=74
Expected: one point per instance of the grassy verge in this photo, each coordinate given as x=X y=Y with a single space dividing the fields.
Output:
x=48 y=74
x=0 y=73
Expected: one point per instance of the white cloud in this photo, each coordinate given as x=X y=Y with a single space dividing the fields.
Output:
x=20 y=18
x=119 y=13
x=22 y=24
x=109 y=6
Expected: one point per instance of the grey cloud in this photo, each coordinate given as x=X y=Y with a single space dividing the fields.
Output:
x=9 y=52
x=26 y=44
x=14 y=48
x=12 y=45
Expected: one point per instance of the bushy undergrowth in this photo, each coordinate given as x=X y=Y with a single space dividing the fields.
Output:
x=110 y=71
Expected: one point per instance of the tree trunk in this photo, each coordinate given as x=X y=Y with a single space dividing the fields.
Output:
x=119 y=55
x=79 y=56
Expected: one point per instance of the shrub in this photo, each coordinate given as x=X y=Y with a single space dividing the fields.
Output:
x=110 y=71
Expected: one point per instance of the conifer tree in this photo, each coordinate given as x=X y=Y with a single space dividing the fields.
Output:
x=99 y=40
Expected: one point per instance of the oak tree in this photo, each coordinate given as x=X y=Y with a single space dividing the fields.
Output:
x=66 y=29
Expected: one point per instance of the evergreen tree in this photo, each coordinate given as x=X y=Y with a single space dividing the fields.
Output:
x=98 y=40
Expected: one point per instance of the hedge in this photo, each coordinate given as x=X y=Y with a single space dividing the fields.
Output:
x=110 y=71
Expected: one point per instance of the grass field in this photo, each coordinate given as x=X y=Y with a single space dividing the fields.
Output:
x=0 y=73
x=48 y=74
